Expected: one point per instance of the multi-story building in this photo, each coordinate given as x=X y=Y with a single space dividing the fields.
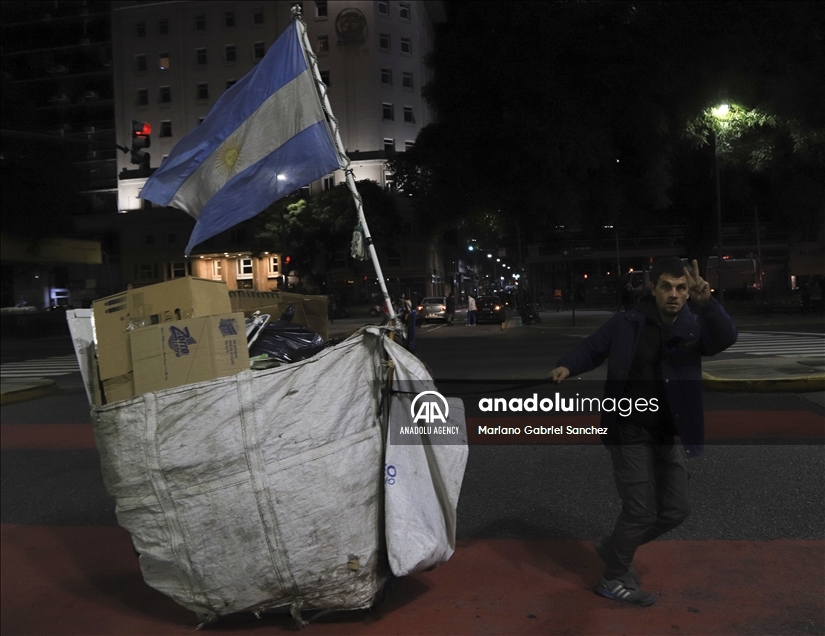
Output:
x=58 y=96
x=173 y=60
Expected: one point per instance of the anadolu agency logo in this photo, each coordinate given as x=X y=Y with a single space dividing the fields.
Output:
x=429 y=407
x=179 y=341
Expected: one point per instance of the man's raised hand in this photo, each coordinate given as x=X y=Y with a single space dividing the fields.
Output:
x=698 y=287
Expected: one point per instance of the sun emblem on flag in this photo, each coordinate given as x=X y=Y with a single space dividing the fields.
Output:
x=228 y=159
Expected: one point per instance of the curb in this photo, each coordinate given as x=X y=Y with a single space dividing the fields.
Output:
x=41 y=389
x=790 y=384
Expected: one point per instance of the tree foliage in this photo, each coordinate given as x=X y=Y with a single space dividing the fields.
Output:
x=311 y=230
x=577 y=113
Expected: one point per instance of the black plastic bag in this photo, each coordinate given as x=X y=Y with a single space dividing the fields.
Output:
x=287 y=341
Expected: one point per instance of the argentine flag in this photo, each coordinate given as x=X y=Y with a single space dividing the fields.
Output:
x=264 y=138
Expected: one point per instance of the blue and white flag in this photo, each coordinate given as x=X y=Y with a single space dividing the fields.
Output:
x=265 y=138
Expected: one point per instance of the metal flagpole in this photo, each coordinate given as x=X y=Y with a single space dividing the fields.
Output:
x=342 y=154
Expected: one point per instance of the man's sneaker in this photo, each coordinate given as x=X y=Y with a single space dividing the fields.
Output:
x=625 y=590
x=600 y=545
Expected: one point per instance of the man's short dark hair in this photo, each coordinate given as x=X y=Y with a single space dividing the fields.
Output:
x=670 y=265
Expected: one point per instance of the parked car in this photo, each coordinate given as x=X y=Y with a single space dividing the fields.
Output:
x=432 y=308
x=491 y=309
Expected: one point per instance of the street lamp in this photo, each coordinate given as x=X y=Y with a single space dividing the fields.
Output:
x=719 y=112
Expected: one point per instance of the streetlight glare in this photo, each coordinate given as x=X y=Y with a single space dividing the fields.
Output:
x=720 y=111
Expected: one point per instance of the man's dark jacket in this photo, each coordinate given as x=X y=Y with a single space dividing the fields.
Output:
x=697 y=332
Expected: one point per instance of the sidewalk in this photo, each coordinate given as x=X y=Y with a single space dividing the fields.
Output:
x=766 y=375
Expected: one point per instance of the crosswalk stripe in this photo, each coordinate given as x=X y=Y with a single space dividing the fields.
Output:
x=781 y=344
x=57 y=365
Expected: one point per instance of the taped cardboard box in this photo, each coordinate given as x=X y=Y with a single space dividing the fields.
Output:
x=310 y=311
x=188 y=351
x=115 y=316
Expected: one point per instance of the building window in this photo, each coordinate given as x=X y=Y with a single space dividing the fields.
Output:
x=229 y=19
x=230 y=83
x=325 y=78
x=383 y=8
x=384 y=41
x=409 y=118
x=258 y=50
x=143 y=97
x=140 y=29
x=165 y=95
x=163 y=26
x=389 y=182
x=258 y=16
x=386 y=76
x=320 y=9
x=177 y=269
x=217 y=270
x=273 y=266
x=322 y=44
x=165 y=128
x=408 y=145
x=389 y=145
x=140 y=63
x=200 y=57
x=404 y=10
x=407 y=81
x=387 y=112
x=229 y=53
x=163 y=61
x=145 y=271
x=243 y=268
x=200 y=23
x=329 y=182
x=203 y=91
x=406 y=46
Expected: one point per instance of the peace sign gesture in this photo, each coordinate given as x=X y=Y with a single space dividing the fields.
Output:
x=698 y=287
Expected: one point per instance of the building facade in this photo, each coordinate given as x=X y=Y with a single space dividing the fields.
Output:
x=172 y=62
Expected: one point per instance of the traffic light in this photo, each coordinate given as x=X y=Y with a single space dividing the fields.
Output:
x=287 y=260
x=140 y=140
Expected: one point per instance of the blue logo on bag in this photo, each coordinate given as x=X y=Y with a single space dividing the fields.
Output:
x=179 y=341
x=228 y=327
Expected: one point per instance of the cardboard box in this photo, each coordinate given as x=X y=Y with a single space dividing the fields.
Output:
x=310 y=311
x=179 y=299
x=120 y=388
x=182 y=352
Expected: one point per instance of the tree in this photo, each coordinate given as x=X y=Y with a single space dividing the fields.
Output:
x=311 y=230
x=576 y=113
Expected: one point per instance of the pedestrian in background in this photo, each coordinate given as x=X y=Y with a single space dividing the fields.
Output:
x=471 y=311
x=450 y=309
x=654 y=353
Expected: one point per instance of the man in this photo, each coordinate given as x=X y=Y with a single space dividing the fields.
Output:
x=653 y=351
x=471 y=311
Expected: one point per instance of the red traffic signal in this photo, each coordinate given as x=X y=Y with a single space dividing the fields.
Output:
x=287 y=260
x=140 y=135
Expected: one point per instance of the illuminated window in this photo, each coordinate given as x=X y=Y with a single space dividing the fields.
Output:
x=163 y=61
x=243 y=268
x=273 y=266
x=216 y=270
